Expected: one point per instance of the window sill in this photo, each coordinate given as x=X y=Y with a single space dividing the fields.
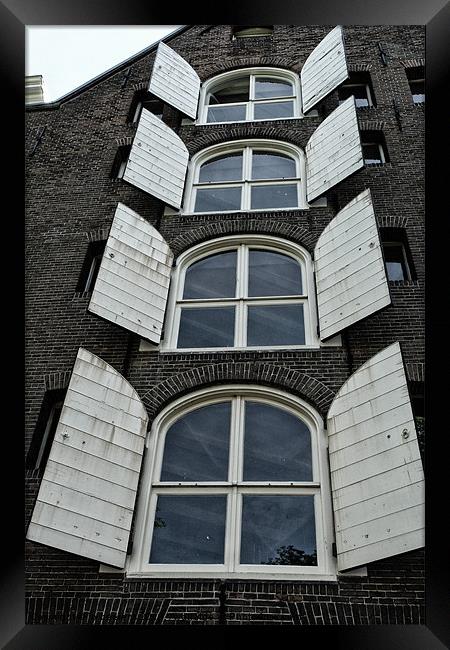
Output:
x=251 y=122
x=262 y=211
x=248 y=576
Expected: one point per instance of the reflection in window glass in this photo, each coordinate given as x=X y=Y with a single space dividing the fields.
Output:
x=277 y=445
x=394 y=257
x=211 y=277
x=274 y=196
x=223 y=168
x=266 y=88
x=227 y=113
x=278 y=529
x=266 y=165
x=189 y=530
x=273 y=274
x=206 y=327
x=231 y=92
x=274 y=110
x=218 y=199
x=196 y=445
x=275 y=325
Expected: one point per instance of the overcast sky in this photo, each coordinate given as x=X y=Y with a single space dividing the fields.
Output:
x=67 y=57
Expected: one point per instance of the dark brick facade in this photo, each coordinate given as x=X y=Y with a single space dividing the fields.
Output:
x=71 y=201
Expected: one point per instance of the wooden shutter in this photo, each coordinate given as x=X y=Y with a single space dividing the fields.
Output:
x=324 y=69
x=86 y=499
x=376 y=471
x=333 y=151
x=134 y=275
x=174 y=81
x=158 y=160
x=351 y=278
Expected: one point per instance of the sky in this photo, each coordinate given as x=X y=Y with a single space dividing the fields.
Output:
x=67 y=57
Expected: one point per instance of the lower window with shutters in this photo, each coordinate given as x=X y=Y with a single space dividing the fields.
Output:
x=236 y=484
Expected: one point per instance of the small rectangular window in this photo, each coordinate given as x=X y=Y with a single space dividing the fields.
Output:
x=360 y=86
x=397 y=256
x=249 y=31
x=120 y=162
x=374 y=148
x=91 y=265
x=45 y=429
x=144 y=99
x=416 y=80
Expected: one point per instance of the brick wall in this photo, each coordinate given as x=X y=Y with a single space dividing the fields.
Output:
x=70 y=197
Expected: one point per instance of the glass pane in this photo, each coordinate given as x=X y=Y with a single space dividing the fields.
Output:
x=227 y=113
x=223 y=168
x=196 y=446
x=275 y=325
x=209 y=327
x=266 y=165
x=395 y=262
x=266 y=88
x=218 y=200
x=371 y=154
x=278 y=529
x=274 y=196
x=273 y=274
x=358 y=92
x=274 y=110
x=231 y=92
x=277 y=445
x=212 y=277
x=189 y=530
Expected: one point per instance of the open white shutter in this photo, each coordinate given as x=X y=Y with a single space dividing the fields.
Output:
x=134 y=275
x=174 y=81
x=86 y=499
x=334 y=150
x=376 y=471
x=158 y=160
x=324 y=69
x=351 y=278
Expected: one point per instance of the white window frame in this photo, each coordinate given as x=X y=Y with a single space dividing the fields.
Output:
x=222 y=244
x=137 y=564
x=247 y=146
x=273 y=73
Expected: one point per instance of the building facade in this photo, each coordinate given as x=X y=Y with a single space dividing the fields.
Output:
x=225 y=323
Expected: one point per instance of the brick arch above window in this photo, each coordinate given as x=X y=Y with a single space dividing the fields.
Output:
x=298 y=383
x=246 y=226
x=240 y=63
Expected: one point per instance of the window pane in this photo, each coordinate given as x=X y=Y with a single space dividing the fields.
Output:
x=266 y=88
x=273 y=274
x=189 y=530
x=196 y=446
x=277 y=445
x=266 y=165
x=231 y=92
x=395 y=262
x=275 y=325
x=209 y=327
x=274 y=196
x=227 y=113
x=371 y=154
x=273 y=110
x=278 y=530
x=218 y=200
x=359 y=93
x=212 y=277
x=223 y=168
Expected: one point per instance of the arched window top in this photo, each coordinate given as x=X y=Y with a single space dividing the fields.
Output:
x=250 y=94
x=242 y=291
x=256 y=174
x=236 y=483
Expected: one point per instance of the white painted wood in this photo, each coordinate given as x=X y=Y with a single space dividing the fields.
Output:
x=86 y=499
x=174 y=81
x=324 y=69
x=133 y=279
x=158 y=160
x=333 y=151
x=351 y=278
x=376 y=471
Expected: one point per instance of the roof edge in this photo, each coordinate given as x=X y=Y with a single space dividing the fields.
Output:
x=42 y=106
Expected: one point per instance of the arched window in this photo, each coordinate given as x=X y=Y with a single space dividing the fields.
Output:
x=236 y=482
x=248 y=291
x=246 y=175
x=250 y=95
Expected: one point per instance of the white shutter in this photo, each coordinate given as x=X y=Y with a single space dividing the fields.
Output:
x=324 y=69
x=86 y=498
x=158 y=160
x=350 y=273
x=376 y=471
x=134 y=275
x=174 y=81
x=334 y=150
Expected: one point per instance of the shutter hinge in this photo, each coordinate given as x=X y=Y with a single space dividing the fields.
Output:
x=383 y=55
x=397 y=115
x=334 y=549
x=125 y=78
